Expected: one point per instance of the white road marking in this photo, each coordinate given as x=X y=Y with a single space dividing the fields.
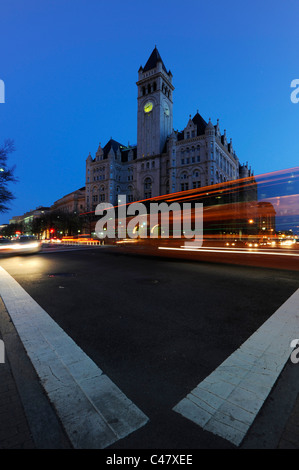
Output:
x=228 y=400
x=92 y=409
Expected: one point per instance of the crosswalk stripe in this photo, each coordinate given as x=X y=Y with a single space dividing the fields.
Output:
x=228 y=400
x=93 y=410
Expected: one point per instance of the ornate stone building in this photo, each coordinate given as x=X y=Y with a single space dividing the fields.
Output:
x=164 y=160
x=73 y=203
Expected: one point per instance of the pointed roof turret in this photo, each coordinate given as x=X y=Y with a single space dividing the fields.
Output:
x=112 y=145
x=200 y=123
x=153 y=60
x=210 y=125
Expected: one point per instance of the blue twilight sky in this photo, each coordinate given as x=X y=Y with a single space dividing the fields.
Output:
x=70 y=69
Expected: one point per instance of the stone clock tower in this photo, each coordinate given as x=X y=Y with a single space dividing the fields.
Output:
x=154 y=117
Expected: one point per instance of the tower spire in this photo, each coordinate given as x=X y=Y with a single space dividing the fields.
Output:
x=154 y=58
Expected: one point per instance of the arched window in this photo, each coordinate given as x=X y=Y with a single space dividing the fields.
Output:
x=184 y=181
x=196 y=179
x=94 y=194
x=147 y=188
x=130 y=194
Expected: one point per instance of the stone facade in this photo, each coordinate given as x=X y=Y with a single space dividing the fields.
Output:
x=164 y=160
x=71 y=203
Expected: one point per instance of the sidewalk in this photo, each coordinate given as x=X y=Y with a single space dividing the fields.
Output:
x=14 y=428
x=27 y=419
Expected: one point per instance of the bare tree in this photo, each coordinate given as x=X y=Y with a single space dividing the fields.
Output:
x=6 y=175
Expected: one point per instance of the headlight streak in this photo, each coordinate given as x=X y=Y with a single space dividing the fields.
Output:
x=229 y=250
x=27 y=246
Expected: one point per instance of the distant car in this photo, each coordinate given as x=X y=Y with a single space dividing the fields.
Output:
x=268 y=243
x=287 y=242
x=252 y=242
x=55 y=240
x=235 y=243
x=25 y=244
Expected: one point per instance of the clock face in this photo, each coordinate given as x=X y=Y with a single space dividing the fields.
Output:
x=166 y=110
x=148 y=107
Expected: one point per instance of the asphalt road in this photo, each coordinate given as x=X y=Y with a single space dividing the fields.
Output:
x=157 y=327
